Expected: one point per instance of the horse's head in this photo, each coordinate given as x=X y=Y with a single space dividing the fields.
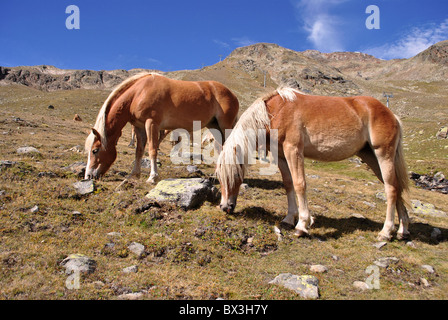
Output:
x=100 y=158
x=230 y=180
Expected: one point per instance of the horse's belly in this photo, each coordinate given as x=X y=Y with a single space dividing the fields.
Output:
x=334 y=149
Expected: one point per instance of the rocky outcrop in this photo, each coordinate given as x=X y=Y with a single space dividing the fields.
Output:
x=292 y=69
x=438 y=182
x=311 y=71
x=437 y=53
x=50 y=78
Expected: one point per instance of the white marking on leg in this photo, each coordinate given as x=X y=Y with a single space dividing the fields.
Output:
x=292 y=208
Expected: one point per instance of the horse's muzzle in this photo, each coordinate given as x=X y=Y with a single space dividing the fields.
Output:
x=228 y=208
x=92 y=175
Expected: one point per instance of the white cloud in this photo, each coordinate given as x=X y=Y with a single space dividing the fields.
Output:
x=320 y=25
x=152 y=60
x=221 y=43
x=243 y=41
x=322 y=32
x=412 y=43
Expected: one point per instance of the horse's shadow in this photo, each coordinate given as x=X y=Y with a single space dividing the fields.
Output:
x=338 y=227
x=264 y=184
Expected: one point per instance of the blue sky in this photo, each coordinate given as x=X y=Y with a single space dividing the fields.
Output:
x=180 y=34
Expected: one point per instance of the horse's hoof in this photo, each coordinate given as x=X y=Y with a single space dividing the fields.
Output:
x=384 y=237
x=301 y=233
x=403 y=235
x=153 y=180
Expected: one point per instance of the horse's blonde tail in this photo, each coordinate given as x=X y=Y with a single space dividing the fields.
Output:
x=401 y=170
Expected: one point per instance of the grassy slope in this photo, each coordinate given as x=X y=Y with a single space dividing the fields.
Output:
x=203 y=253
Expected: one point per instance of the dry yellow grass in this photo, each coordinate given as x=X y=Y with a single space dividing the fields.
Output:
x=197 y=254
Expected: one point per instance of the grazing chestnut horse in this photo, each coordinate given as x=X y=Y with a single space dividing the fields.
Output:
x=154 y=104
x=325 y=129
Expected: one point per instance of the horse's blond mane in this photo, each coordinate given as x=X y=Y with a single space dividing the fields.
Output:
x=100 y=124
x=255 y=117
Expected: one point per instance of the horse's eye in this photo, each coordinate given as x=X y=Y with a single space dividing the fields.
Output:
x=95 y=151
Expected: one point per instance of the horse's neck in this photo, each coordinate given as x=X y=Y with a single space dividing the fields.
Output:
x=115 y=122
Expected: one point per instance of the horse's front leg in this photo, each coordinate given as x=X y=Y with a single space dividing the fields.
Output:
x=139 y=151
x=295 y=159
x=152 y=132
x=290 y=219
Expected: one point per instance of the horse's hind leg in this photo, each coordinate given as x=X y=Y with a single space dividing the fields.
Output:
x=369 y=157
x=132 y=142
x=403 y=232
x=139 y=151
x=290 y=219
x=295 y=160
x=387 y=166
x=152 y=132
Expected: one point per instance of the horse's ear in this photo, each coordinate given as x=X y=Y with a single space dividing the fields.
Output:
x=97 y=134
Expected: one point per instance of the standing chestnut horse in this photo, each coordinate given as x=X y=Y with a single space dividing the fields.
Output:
x=325 y=129
x=153 y=103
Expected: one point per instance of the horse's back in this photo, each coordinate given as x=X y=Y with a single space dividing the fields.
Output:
x=177 y=103
x=330 y=128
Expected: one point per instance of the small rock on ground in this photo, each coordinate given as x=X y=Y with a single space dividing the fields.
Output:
x=84 y=187
x=358 y=216
x=131 y=269
x=318 y=268
x=436 y=234
x=425 y=282
x=361 y=285
x=114 y=234
x=27 y=150
x=428 y=268
x=380 y=244
x=385 y=262
x=130 y=296
x=78 y=263
x=137 y=248
x=7 y=164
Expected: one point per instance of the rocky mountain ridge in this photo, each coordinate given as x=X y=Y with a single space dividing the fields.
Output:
x=311 y=71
